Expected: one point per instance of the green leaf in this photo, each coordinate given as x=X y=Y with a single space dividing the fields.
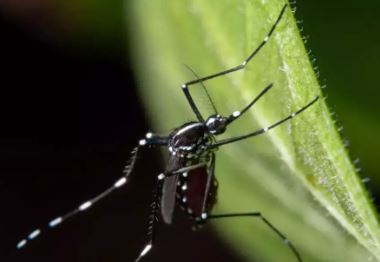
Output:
x=298 y=175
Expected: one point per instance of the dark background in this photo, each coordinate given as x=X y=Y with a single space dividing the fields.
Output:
x=70 y=115
x=69 y=118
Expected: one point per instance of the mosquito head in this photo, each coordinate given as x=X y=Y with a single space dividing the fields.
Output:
x=216 y=124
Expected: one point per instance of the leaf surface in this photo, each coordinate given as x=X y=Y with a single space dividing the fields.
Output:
x=298 y=175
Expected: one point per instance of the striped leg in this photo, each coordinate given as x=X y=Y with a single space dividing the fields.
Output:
x=225 y=72
x=152 y=219
x=150 y=140
x=262 y=130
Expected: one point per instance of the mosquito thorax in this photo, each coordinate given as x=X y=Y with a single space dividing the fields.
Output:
x=216 y=124
x=189 y=140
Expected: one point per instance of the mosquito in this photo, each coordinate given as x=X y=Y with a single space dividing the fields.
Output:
x=189 y=178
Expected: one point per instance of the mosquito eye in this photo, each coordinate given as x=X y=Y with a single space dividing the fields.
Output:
x=216 y=124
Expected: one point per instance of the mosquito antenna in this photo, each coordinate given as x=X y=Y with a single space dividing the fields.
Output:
x=204 y=88
x=87 y=204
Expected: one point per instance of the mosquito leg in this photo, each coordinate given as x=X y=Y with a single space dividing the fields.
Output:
x=210 y=178
x=89 y=203
x=235 y=115
x=181 y=170
x=186 y=169
x=262 y=130
x=269 y=224
x=152 y=219
x=156 y=199
x=233 y=69
x=154 y=139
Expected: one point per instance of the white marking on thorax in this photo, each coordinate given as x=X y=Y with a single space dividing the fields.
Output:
x=186 y=128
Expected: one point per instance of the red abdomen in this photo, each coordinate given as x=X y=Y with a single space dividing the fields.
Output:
x=197 y=191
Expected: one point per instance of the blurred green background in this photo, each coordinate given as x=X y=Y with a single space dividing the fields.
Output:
x=344 y=37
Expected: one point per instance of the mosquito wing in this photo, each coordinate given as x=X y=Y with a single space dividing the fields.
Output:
x=169 y=189
x=168 y=198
